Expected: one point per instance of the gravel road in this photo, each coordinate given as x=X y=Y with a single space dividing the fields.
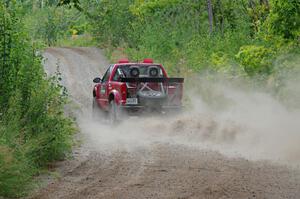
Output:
x=158 y=156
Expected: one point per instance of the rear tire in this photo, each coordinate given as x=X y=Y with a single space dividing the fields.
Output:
x=114 y=112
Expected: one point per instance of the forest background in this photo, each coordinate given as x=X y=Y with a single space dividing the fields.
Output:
x=254 y=40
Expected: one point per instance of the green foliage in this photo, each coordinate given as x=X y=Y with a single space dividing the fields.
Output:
x=51 y=24
x=171 y=31
x=256 y=60
x=15 y=172
x=33 y=128
x=284 y=18
x=78 y=41
x=107 y=13
x=176 y=33
x=74 y=3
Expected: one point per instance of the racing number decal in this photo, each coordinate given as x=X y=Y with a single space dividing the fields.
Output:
x=102 y=91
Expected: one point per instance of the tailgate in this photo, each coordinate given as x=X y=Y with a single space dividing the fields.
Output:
x=172 y=87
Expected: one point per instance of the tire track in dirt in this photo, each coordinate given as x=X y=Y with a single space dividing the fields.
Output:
x=122 y=164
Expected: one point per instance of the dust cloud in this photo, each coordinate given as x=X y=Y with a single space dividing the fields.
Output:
x=201 y=152
x=231 y=118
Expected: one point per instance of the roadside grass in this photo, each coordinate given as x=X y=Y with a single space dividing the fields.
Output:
x=15 y=173
x=85 y=40
x=34 y=129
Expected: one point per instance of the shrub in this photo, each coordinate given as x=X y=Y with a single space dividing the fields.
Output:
x=256 y=60
x=15 y=172
x=33 y=128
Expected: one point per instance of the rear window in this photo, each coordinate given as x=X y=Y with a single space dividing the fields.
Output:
x=143 y=69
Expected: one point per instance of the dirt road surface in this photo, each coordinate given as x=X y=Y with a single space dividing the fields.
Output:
x=158 y=156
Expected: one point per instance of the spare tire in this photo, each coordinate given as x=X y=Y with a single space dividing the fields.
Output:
x=153 y=71
x=134 y=72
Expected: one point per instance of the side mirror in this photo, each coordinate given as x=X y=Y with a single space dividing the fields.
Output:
x=97 y=80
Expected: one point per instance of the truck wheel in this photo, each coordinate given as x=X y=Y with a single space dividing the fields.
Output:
x=114 y=112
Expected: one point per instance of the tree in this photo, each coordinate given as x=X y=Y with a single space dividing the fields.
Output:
x=210 y=15
x=284 y=18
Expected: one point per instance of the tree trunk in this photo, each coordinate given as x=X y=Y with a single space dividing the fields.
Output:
x=220 y=16
x=198 y=16
x=210 y=15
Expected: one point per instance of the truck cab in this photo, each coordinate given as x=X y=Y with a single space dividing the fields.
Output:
x=135 y=86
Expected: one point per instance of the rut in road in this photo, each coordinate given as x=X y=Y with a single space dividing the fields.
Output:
x=201 y=153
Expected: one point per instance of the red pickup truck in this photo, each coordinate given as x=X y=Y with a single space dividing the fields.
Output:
x=134 y=87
